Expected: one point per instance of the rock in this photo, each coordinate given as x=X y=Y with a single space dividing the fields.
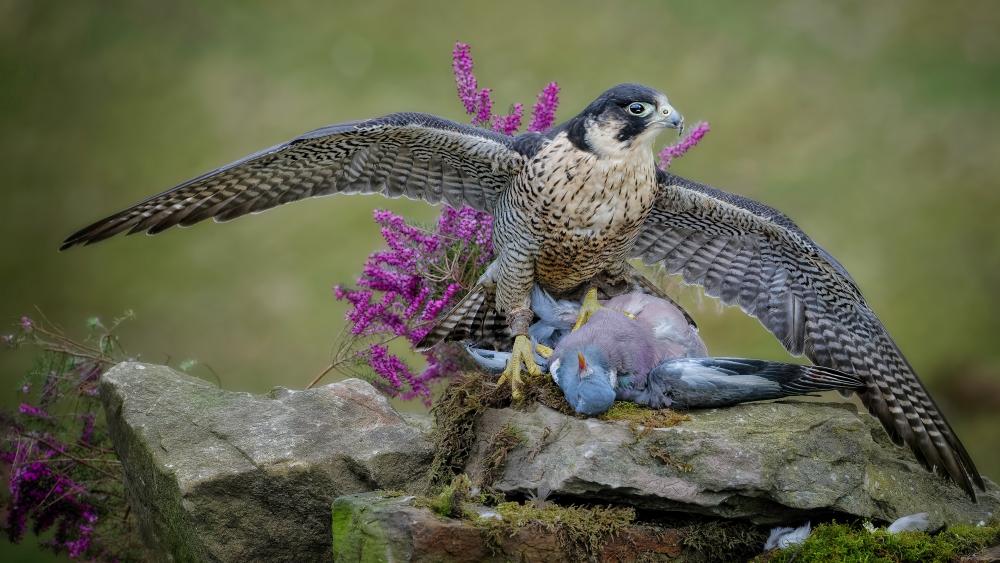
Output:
x=770 y=463
x=989 y=555
x=372 y=527
x=224 y=476
x=376 y=527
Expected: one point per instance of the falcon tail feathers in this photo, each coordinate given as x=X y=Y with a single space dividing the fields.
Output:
x=473 y=319
x=912 y=417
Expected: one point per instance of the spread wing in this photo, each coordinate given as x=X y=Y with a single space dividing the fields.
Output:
x=404 y=154
x=750 y=255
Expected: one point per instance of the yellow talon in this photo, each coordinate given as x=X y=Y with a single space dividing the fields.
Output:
x=589 y=306
x=520 y=354
x=544 y=351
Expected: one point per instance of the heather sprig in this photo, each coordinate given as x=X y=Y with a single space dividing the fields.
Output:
x=407 y=286
x=479 y=102
x=543 y=115
x=510 y=123
x=63 y=475
x=690 y=141
x=465 y=80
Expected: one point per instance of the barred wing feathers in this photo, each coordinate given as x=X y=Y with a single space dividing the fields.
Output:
x=411 y=155
x=750 y=255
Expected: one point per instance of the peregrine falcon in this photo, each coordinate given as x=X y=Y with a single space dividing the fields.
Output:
x=575 y=203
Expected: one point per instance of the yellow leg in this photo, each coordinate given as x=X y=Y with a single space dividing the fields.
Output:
x=522 y=353
x=589 y=306
x=544 y=351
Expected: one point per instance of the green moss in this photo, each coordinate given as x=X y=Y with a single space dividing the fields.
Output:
x=498 y=448
x=581 y=531
x=356 y=537
x=455 y=416
x=448 y=503
x=633 y=413
x=840 y=542
x=642 y=420
x=623 y=410
x=722 y=540
x=663 y=456
x=546 y=392
x=491 y=498
x=341 y=527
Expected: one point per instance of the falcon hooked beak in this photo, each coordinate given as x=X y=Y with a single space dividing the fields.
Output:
x=667 y=116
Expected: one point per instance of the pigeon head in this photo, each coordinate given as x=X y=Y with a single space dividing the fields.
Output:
x=586 y=379
x=623 y=119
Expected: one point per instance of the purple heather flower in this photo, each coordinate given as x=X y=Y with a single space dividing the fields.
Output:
x=436 y=306
x=677 y=150
x=79 y=546
x=90 y=374
x=50 y=491
x=484 y=107
x=32 y=410
x=87 y=432
x=389 y=367
x=468 y=87
x=479 y=102
x=396 y=296
x=510 y=123
x=543 y=115
x=40 y=492
x=50 y=389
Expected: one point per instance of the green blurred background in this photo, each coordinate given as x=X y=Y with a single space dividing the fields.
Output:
x=873 y=124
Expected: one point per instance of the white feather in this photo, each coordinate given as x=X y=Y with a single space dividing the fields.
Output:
x=913 y=523
x=782 y=538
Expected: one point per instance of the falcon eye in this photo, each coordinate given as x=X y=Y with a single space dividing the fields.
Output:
x=640 y=109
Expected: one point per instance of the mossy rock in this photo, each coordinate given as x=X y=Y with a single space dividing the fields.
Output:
x=842 y=542
x=770 y=463
x=372 y=527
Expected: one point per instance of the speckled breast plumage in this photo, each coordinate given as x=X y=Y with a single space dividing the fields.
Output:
x=576 y=213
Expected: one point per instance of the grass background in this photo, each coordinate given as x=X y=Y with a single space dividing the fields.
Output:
x=873 y=125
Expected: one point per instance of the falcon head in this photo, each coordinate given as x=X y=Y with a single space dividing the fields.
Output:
x=586 y=379
x=624 y=119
